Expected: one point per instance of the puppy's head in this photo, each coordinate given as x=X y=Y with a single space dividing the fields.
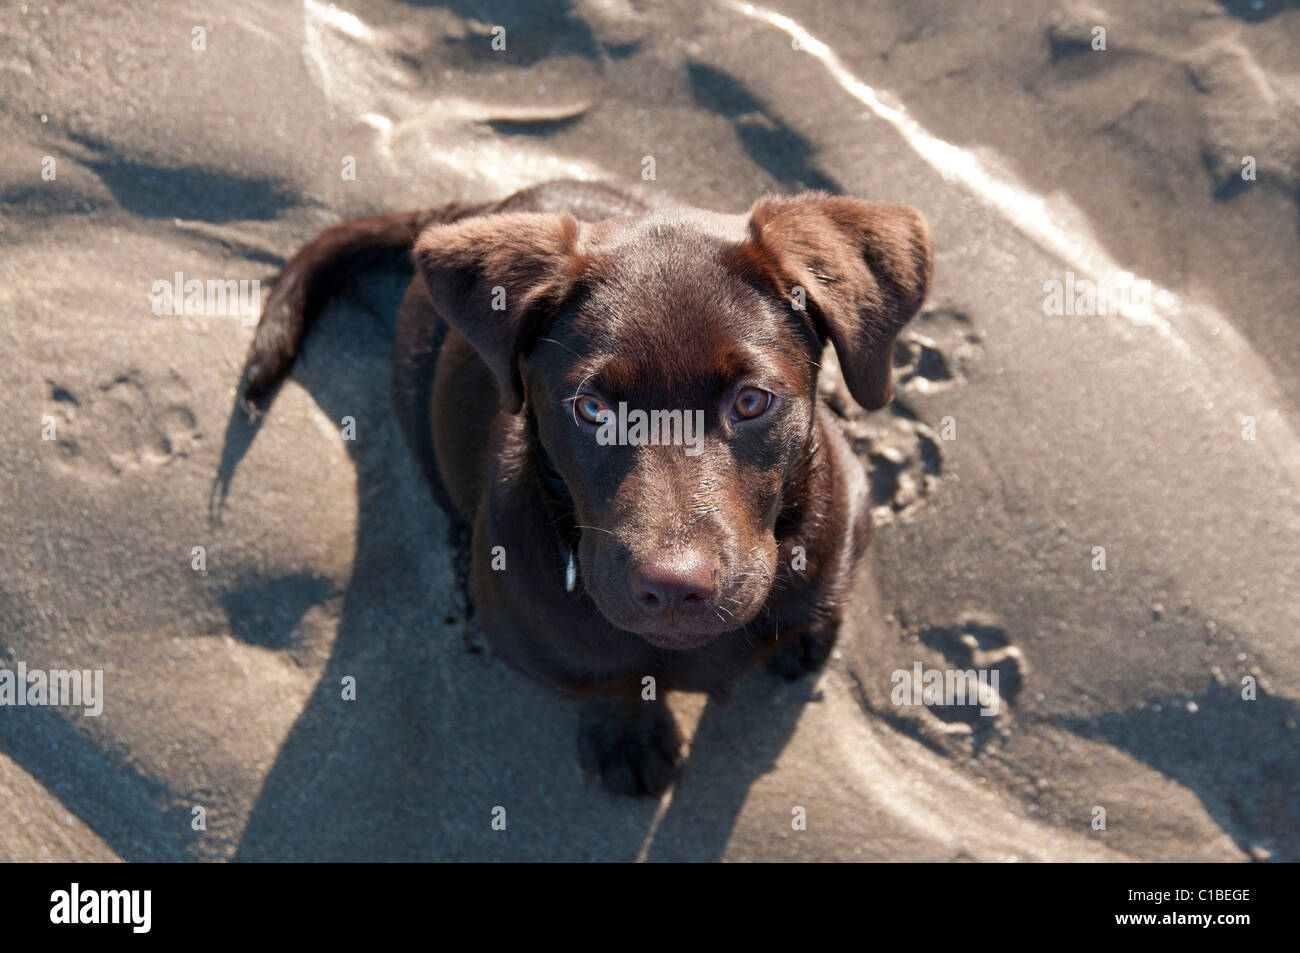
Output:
x=669 y=363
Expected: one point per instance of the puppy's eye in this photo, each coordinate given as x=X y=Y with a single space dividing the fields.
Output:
x=750 y=403
x=589 y=408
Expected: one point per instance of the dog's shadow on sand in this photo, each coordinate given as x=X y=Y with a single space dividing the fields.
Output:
x=1240 y=756
x=440 y=735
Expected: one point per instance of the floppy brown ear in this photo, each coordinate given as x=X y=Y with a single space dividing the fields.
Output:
x=864 y=267
x=496 y=278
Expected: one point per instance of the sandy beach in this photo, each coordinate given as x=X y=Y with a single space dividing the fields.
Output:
x=1103 y=508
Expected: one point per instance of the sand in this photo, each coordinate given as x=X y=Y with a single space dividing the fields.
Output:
x=1020 y=441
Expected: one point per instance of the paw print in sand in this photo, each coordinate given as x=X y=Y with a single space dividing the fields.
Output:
x=126 y=424
x=903 y=452
x=977 y=652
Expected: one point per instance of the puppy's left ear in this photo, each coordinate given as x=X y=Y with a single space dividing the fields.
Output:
x=864 y=268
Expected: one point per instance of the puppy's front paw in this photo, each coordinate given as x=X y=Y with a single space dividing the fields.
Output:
x=803 y=653
x=634 y=746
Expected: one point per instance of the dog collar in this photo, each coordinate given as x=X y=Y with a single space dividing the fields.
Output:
x=558 y=512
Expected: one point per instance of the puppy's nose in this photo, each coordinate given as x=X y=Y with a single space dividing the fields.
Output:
x=679 y=588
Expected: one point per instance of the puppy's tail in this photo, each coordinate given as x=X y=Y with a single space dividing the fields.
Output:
x=311 y=277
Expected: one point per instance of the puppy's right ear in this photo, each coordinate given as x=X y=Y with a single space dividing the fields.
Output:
x=497 y=279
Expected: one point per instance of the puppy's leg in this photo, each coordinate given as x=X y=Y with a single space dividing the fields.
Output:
x=633 y=745
x=804 y=651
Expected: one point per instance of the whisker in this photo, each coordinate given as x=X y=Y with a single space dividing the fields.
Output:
x=561 y=344
x=577 y=392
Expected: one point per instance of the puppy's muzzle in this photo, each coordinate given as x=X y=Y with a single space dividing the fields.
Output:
x=675 y=590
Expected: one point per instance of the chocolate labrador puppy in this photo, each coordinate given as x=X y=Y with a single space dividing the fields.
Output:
x=620 y=396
